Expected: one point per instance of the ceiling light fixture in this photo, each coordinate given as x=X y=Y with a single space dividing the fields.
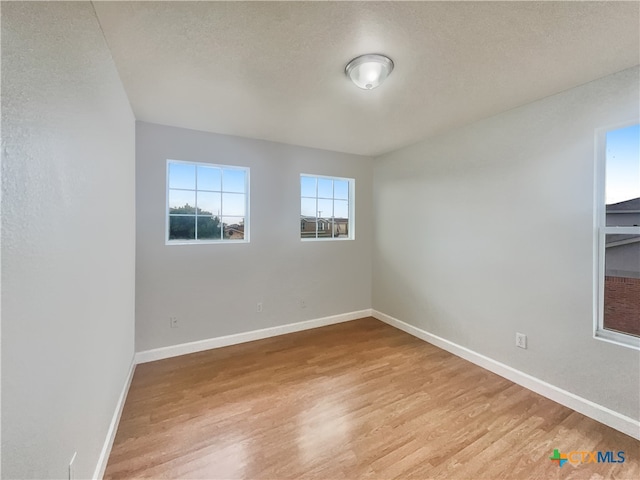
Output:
x=369 y=71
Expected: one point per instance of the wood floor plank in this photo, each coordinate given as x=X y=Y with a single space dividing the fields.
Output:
x=355 y=400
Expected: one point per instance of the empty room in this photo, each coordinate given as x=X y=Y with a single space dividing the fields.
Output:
x=320 y=240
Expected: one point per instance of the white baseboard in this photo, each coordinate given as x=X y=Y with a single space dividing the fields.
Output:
x=217 y=342
x=113 y=427
x=586 y=407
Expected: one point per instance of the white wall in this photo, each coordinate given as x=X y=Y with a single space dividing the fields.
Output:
x=214 y=289
x=488 y=230
x=68 y=239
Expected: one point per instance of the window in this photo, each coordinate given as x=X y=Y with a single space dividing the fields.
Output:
x=618 y=278
x=326 y=208
x=206 y=203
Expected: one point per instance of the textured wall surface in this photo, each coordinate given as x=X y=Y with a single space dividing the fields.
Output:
x=501 y=217
x=213 y=289
x=68 y=239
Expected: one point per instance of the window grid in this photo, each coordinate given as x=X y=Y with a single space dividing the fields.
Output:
x=322 y=223
x=197 y=214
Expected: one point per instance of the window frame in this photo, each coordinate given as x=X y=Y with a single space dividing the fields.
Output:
x=222 y=240
x=351 y=226
x=601 y=230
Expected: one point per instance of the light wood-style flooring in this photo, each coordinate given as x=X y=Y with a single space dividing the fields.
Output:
x=355 y=400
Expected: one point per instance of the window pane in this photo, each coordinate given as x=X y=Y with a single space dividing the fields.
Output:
x=308 y=207
x=182 y=228
x=622 y=188
x=200 y=195
x=325 y=188
x=209 y=203
x=622 y=284
x=233 y=228
x=324 y=224
x=341 y=189
x=182 y=201
x=233 y=180
x=233 y=204
x=341 y=209
x=307 y=227
x=325 y=208
x=209 y=178
x=340 y=227
x=182 y=175
x=209 y=228
x=308 y=186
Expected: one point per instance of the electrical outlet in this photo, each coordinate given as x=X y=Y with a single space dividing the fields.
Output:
x=173 y=322
x=259 y=307
x=72 y=467
x=303 y=303
x=521 y=340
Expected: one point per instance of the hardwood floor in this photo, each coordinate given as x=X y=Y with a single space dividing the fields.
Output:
x=355 y=400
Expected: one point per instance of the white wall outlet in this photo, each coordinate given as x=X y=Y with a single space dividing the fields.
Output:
x=173 y=322
x=259 y=307
x=72 y=467
x=521 y=340
x=303 y=303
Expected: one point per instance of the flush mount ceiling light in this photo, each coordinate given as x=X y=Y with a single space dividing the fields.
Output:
x=369 y=71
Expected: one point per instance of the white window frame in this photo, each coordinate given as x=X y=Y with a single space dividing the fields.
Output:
x=222 y=240
x=600 y=232
x=352 y=219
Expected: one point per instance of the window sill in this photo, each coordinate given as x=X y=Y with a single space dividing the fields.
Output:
x=204 y=242
x=617 y=338
x=345 y=239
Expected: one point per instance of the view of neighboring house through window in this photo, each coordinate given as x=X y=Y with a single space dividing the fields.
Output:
x=206 y=203
x=326 y=207
x=619 y=252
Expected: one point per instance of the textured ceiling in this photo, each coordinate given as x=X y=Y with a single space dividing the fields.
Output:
x=275 y=70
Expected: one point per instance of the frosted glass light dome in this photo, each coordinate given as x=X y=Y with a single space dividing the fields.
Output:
x=369 y=71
